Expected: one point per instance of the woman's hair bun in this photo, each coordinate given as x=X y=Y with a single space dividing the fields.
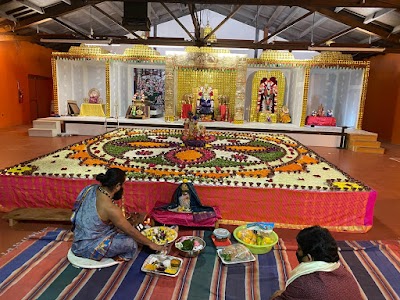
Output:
x=100 y=177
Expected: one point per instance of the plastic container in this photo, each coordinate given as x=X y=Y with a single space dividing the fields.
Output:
x=221 y=234
x=257 y=249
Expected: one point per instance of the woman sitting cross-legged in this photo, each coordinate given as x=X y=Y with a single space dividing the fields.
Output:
x=99 y=226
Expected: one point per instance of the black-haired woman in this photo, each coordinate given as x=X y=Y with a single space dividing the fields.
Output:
x=100 y=228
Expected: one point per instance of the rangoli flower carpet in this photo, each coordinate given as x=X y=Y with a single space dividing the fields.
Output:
x=249 y=176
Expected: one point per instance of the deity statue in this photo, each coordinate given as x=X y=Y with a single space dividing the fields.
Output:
x=284 y=115
x=206 y=102
x=267 y=95
x=94 y=96
x=193 y=133
x=186 y=199
x=320 y=111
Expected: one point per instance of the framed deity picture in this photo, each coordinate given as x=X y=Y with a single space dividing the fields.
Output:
x=73 y=108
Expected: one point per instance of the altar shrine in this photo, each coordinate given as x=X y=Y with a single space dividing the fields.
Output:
x=216 y=85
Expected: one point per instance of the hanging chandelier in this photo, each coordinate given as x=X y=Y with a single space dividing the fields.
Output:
x=206 y=31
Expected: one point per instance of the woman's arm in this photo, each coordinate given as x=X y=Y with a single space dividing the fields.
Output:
x=114 y=214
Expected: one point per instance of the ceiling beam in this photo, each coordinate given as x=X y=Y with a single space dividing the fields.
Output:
x=42 y=29
x=152 y=11
x=245 y=14
x=378 y=14
x=116 y=22
x=114 y=8
x=286 y=27
x=177 y=21
x=295 y=11
x=259 y=9
x=32 y=5
x=8 y=17
x=92 y=18
x=396 y=29
x=315 y=3
x=311 y=28
x=196 y=24
x=223 y=22
x=335 y=36
x=80 y=31
x=370 y=39
x=52 y=12
x=275 y=15
x=352 y=20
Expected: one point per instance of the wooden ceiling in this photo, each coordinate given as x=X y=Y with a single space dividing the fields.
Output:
x=353 y=24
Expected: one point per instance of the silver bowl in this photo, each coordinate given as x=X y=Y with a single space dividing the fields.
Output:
x=190 y=253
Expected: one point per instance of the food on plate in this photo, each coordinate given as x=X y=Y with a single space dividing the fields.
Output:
x=235 y=252
x=162 y=264
x=160 y=235
x=150 y=267
x=171 y=271
x=175 y=263
x=188 y=243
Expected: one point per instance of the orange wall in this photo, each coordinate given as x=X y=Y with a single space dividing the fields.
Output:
x=382 y=106
x=17 y=61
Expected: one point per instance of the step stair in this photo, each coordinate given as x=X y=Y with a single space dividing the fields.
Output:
x=42 y=132
x=40 y=123
x=45 y=128
x=366 y=143
x=38 y=214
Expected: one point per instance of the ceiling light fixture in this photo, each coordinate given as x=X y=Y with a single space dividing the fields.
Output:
x=346 y=49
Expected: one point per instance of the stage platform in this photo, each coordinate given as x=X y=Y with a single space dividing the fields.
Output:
x=249 y=176
x=326 y=136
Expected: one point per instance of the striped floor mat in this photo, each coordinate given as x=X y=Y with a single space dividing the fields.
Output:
x=37 y=268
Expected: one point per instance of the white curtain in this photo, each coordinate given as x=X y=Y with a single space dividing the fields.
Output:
x=75 y=78
x=121 y=88
x=338 y=90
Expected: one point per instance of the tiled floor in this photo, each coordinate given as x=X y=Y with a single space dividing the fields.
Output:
x=380 y=172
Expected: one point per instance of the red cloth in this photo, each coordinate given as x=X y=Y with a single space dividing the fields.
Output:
x=321 y=121
x=222 y=109
x=185 y=110
x=338 y=284
x=183 y=219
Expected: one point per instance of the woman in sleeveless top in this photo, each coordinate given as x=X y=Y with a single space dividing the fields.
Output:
x=100 y=228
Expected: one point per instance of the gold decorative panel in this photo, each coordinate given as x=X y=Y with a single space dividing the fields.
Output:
x=276 y=55
x=327 y=56
x=198 y=67
x=89 y=50
x=141 y=50
x=305 y=96
x=55 y=87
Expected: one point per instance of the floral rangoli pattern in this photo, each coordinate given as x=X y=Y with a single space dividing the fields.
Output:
x=228 y=158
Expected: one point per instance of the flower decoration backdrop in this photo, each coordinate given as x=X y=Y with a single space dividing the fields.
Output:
x=228 y=159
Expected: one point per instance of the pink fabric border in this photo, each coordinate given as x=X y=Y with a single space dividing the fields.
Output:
x=345 y=211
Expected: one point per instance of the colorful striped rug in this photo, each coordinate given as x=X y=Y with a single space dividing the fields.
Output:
x=37 y=268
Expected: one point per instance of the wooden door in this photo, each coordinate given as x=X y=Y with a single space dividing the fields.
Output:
x=40 y=96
